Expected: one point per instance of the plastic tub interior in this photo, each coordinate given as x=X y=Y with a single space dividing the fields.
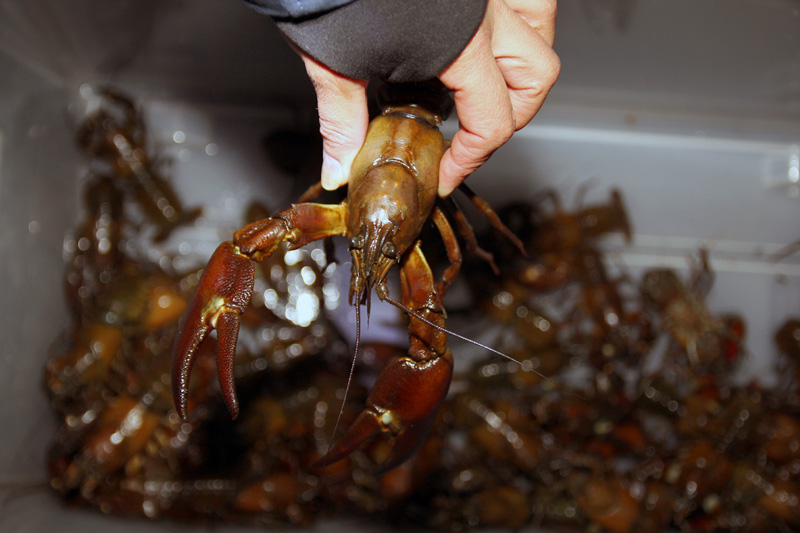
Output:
x=691 y=108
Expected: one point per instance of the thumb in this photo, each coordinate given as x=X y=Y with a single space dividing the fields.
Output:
x=343 y=119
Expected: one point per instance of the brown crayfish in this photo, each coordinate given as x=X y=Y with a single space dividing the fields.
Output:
x=392 y=193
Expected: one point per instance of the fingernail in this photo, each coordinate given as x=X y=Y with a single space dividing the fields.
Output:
x=332 y=173
x=445 y=190
x=446 y=184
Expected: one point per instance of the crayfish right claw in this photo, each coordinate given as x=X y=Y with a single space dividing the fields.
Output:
x=221 y=296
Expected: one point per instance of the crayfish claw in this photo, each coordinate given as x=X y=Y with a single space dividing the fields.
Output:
x=365 y=426
x=227 y=334
x=403 y=403
x=186 y=345
x=368 y=425
x=405 y=445
x=221 y=296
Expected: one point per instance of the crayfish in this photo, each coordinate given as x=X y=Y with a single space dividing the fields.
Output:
x=392 y=194
x=115 y=135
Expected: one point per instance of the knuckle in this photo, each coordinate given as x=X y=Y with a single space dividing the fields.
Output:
x=549 y=9
x=503 y=129
x=539 y=14
x=552 y=67
x=471 y=157
x=532 y=83
x=538 y=69
x=474 y=150
x=506 y=131
x=336 y=137
x=466 y=159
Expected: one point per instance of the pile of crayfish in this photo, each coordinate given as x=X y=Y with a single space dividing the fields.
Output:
x=617 y=407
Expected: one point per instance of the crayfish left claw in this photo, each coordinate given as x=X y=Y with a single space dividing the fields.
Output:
x=366 y=426
x=221 y=296
x=404 y=403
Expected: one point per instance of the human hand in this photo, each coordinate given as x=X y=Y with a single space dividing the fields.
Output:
x=343 y=120
x=499 y=80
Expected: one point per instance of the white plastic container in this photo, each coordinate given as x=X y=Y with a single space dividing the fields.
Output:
x=692 y=109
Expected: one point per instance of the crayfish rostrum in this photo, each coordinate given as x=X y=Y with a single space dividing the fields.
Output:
x=392 y=193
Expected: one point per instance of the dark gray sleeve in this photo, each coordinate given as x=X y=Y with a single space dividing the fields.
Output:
x=392 y=40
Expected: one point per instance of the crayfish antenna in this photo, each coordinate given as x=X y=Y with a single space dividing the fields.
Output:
x=525 y=365
x=328 y=458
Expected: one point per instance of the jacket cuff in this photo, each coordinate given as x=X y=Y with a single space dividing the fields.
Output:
x=294 y=8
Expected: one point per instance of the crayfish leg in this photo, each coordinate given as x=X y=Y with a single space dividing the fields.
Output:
x=487 y=211
x=451 y=247
x=468 y=234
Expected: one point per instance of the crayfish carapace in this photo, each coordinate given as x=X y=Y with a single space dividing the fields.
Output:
x=392 y=193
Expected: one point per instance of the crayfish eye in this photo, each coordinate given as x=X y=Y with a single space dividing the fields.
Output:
x=390 y=250
x=357 y=242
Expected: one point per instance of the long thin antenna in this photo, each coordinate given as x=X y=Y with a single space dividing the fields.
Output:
x=525 y=365
x=347 y=387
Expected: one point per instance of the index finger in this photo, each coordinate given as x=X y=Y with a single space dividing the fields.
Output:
x=485 y=113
